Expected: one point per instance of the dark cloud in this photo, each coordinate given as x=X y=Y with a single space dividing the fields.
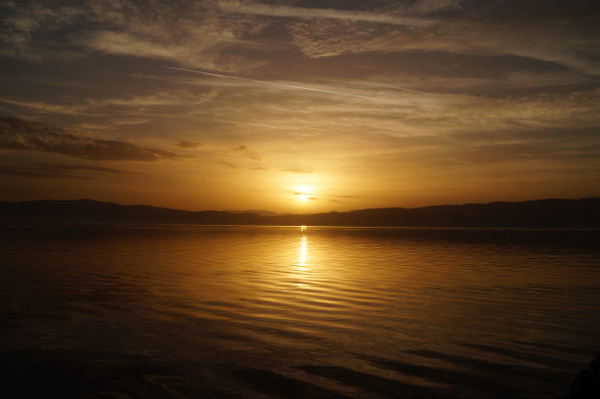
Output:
x=86 y=168
x=37 y=172
x=61 y=171
x=28 y=136
x=187 y=144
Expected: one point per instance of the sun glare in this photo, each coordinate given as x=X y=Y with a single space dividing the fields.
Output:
x=303 y=193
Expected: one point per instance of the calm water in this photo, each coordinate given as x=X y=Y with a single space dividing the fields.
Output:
x=291 y=312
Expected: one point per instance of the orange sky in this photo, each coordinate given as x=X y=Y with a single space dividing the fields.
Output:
x=299 y=106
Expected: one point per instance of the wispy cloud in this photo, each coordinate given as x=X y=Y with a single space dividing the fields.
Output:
x=559 y=37
x=62 y=171
x=425 y=7
x=298 y=171
x=187 y=144
x=192 y=33
x=365 y=94
x=24 y=25
x=38 y=173
x=282 y=85
x=44 y=107
x=86 y=168
x=27 y=136
x=274 y=10
x=115 y=112
x=230 y=165
x=241 y=154
x=209 y=34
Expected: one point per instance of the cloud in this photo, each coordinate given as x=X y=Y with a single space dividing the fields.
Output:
x=242 y=151
x=86 y=168
x=42 y=107
x=282 y=85
x=307 y=196
x=231 y=165
x=61 y=171
x=116 y=112
x=406 y=115
x=159 y=108
x=540 y=111
x=565 y=36
x=273 y=10
x=28 y=136
x=192 y=33
x=298 y=171
x=25 y=27
x=425 y=7
x=516 y=82
x=221 y=34
x=37 y=172
x=187 y=144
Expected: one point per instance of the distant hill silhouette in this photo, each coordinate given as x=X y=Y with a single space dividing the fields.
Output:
x=90 y=211
x=259 y=212
x=549 y=213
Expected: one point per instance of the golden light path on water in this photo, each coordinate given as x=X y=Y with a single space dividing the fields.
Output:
x=302 y=265
x=347 y=309
x=303 y=249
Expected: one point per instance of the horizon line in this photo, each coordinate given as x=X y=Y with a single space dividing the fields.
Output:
x=305 y=214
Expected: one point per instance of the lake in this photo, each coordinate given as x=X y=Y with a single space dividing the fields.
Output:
x=170 y=311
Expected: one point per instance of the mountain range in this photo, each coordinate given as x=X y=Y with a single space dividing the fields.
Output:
x=547 y=213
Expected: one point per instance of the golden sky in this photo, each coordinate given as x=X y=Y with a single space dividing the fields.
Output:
x=299 y=106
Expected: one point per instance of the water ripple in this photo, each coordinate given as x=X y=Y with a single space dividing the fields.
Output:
x=329 y=311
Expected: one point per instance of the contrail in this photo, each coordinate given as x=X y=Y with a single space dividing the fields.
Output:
x=219 y=75
x=379 y=85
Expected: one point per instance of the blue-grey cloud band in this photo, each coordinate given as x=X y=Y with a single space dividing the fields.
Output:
x=219 y=75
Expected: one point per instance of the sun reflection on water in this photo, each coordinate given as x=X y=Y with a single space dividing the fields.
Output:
x=302 y=260
x=303 y=253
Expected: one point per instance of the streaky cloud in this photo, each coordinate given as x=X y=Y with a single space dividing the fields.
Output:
x=187 y=144
x=237 y=7
x=61 y=171
x=86 y=168
x=29 y=136
x=230 y=165
x=298 y=171
x=378 y=85
x=38 y=173
x=220 y=75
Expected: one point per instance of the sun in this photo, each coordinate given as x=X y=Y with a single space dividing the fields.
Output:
x=303 y=193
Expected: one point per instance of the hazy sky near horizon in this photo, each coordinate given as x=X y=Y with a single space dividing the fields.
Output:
x=299 y=105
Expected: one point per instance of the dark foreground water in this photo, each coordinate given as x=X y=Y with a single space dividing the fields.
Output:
x=291 y=312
